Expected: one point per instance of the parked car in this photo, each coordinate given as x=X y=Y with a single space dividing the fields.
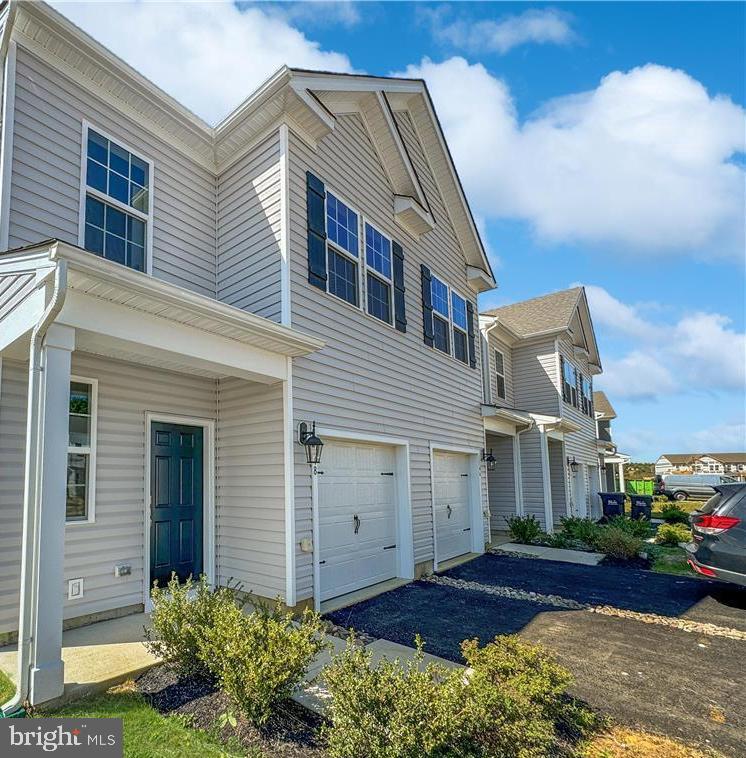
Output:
x=689 y=486
x=718 y=546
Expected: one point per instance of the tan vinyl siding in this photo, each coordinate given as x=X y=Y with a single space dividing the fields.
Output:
x=249 y=219
x=501 y=482
x=536 y=377
x=582 y=445
x=493 y=344
x=45 y=188
x=371 y=378
x=250 y=498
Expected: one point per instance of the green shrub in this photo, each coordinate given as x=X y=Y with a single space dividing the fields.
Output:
x=508 y=705
x=581 y=529
x=672 y=514
x=617 y=543
x=524 y=529
x=635 y=527
x=180 y=614
x=260 y=658
x=672 y=534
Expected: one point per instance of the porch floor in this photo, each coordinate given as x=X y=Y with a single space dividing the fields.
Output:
x=97 y=656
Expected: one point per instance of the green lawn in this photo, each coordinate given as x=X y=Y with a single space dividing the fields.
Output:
x=7 y=688
x=669 y=560
x=685 y=505
x=147 y=733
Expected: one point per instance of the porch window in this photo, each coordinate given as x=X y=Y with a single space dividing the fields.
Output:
x=500 y=374
x=116 y=201
x=81 y=450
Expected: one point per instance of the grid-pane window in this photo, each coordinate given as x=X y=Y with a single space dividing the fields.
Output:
x=458 y=317
x=341 y=224
x=377 y=251
x=342 y=276
x=116 y=172
x=569 y=383
x=460 y=350
x=587 y=395
x=440 y=334
x=500 y=374
x=379 y=298
x=439 y=295
x=114 y=234
x=459 y=310
x=80 y=450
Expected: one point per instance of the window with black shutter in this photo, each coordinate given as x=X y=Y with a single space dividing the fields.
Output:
x=500 y=374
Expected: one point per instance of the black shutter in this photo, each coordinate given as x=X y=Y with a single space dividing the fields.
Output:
x=472 y=340
x=427 y=306
x=315 y=203
x=400 y=312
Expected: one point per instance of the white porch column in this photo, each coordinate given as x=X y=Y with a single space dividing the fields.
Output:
x=46 y=667
x=546 y=481
x=620 y=469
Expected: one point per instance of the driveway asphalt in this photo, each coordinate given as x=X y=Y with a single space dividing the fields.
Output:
x=646 y=675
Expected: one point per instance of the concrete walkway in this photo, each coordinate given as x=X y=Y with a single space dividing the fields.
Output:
x=553 y=553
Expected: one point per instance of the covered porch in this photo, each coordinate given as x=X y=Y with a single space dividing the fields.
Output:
x=148 y=431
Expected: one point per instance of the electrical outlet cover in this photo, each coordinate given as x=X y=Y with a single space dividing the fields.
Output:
x=75 y=589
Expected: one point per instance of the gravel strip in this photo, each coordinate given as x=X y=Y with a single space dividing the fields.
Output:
x=557 y=601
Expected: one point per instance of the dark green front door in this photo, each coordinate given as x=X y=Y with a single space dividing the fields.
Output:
x=176 y=501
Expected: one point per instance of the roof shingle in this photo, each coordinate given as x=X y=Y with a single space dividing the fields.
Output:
x=547 y=313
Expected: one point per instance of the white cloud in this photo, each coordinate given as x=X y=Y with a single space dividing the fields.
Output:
x=501 y=36
x=643 y=162
x=721 y=438
x=701 y=352
x=209 y=56
x=314 y=12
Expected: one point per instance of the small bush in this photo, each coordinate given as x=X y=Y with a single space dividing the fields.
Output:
x=674 y=515
x=672 y=534
x=260 y=658
x=181 y=612
x=509 y=704
x=524 y=529
x=582 y=529
x=618 y=543
x=636 y=527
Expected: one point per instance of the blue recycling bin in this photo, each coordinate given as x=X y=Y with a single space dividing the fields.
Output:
x=642 y=506
x=612 y=503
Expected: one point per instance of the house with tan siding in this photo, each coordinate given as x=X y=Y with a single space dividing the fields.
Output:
x=184 y=307
x=539 y=358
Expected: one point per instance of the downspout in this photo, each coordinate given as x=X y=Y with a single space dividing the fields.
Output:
x=30 y=545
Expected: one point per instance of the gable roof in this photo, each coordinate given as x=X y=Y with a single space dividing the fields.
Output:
x=288 y=96
x=602 y=405
x=727 y=457
x=680 y=458
x=684 y=458
x=550 y=315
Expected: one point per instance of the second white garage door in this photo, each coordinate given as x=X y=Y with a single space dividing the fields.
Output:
x=357 y=517
x=451 y=473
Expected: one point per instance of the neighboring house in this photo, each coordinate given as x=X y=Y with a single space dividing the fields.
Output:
x=730 y=464
x=312 y=259
x=612 y=462
x=540 y=357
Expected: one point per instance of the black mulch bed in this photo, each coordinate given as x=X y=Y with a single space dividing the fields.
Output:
x=292 y=732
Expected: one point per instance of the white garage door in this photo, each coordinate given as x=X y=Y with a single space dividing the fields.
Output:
x=452 y=517
x=357 y=517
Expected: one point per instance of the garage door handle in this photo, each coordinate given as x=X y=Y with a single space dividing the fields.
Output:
x=356 y=521
x=389 y=547
x=468 y=529
x=321 y=563
x=387 y=473
x=450 y=510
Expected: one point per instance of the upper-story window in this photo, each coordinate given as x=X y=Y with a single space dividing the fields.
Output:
x=500 y=374
x=587 y=395
x=450 y=320
x=441 y=314
x=458 y=315
x=343 y=250
x=81 y=450
x=569 y=383
x=116 y=202
x=378 y=280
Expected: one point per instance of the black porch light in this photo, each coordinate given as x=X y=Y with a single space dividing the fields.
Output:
x=490 y=460
x=573 y=464
x=311 y=442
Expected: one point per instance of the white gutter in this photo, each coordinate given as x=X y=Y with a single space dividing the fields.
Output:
x=31 y=526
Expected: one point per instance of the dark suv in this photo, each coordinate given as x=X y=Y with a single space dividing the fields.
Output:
x=718 y=547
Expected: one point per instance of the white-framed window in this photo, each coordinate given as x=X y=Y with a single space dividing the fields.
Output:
x=450 y=320
x=460 y=325
x=500 y=374
x=116 y=201
x=586 y=390
x=379 y=282
x=342 y=250
x=569 y=383
x=81 y=450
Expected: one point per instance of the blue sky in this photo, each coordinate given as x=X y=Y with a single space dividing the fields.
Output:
x=613 y=156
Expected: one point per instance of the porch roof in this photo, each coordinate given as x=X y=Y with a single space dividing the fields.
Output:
x=126 y=314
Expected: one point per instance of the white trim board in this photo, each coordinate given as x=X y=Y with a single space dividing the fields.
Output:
x=405 y=535
x=93 y=439
x=209 y=567
x=476 y=513
x=6 y=150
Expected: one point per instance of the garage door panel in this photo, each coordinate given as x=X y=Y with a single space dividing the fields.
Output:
x=356 y=481
x=451 y=496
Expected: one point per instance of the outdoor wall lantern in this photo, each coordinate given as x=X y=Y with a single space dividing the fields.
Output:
x=573 y=464
x=489 y=459
x=311 y=442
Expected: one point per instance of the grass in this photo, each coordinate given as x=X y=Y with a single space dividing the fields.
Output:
x=620 y=742
x=685 y=505
x=7 y=688
x=147 y=733
x=669 y=560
